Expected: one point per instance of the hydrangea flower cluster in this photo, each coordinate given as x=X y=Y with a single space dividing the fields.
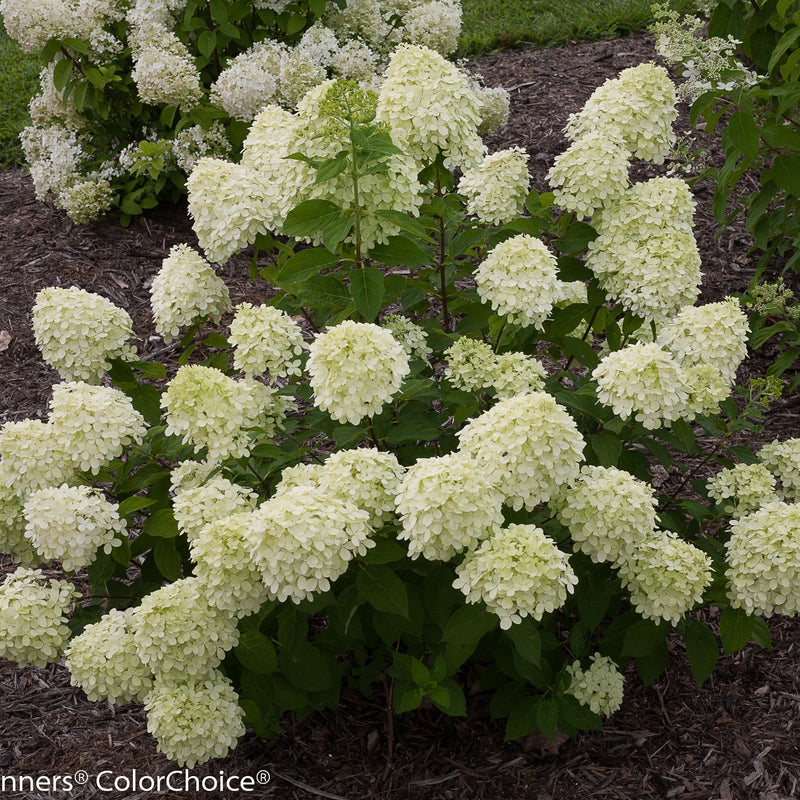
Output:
x=303 y=541
x=177 y=632
x=496 y=189
x=410 y=335
x=447 y=505
x=355 y=368
x=529 y=443
x=208 y=409
x=196 y=720
x=71 y=523
x=609 y=513
x=186 y=289
x=519 y=278
x=104 y=662
x=12 y=525
x=600 y=686
x=34 y=456
x=782 y=459
x=217 y=498
x=518 y=572
x=78 y=332
x=33 y=612
x=471 y=364
x=743 y=489
x=517 y=373
x=763 y=556
x=266 y=339
x=666 y=576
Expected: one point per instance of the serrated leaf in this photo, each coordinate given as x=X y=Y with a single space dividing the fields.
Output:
x=400 y=251
x=468 y=625
x=383 y=590
x=130 y=505
x=523 y=719
x=743 y=132
x=575 y=713
x=701 y=650
x=576 y=238
x=161 y=524
x=735 y=629
x=256 y=652
x=168 y=559
x=319 y=218
x=606 y=447
x=547 y=717
x=366 y=286
x=304 y=265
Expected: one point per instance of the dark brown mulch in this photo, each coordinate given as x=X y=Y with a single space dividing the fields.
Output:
x=733 y=738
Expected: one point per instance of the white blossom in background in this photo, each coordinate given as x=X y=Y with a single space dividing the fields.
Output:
x=600 y=686
x=471 y=364
x=34 y=456
x=266 y=339
x=495 y=106
x=355 y=368
x=33 y=617
x=185 y=290
x=496 y=189
x=447 y=505
x=195 y=142
x=12 y=525
x=410 y=335
x=196 y=720
x=743 y=489
x=435 y=25
x=103 y=660
x=518 y=572
x=78 y=332
x=782 y=459
x=763 y=556
x=165 y=74
x=196 y=507
x=517 y=373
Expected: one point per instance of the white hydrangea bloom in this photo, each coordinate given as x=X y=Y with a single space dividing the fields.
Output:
x=713 y=334
x=103 y=660
x=49 y=105
x=430 y=106
x=190 y=475
x=447 y=505
x=167 y=75
x=33 y=610
x=298 y=75
x=529 y=443
x=32 y=24
x=195 y=721
x=743 y=489
x=410 y=335
x=320 y=44
x=34 y=456
x=642 y=381
x=609 y=513
x=217 y=498
x=571 y=292
x=78 y=332
x=782 y=459
x=228 y=205
x=517 y=373
x=94 y=423
x=230 y=581
x=71 y=523
x=195 y=142
x=495 y=106
x=763 y=557
x=601 y=686
x=305 y=476
x=471 y=364
x=638 y=106
x=518 y=572
x=646 y=255
x=366 y=477
x=186 y=289
x=666 y=577
x=355 y=61
x=178 y=634
x=266 y=339
x=55 y=156
x=519 y=278
x=355 y=369
x=436 y=25
x=360 y=19
x=707 y=388
x=496 y=189
x=86 y=200
x=12 y=525
x=591 y=173
x=303 y=541
x=208 y=409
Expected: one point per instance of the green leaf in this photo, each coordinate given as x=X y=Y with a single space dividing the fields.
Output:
x=317 y=7
x=414 y=428
x=547 y=717
x=575 y=713
x=325 y=291
x=761 y=634
x=62 y=72
x=319 y=217
x=581 y=351
x=386 y=551
x=256 y=652
x=642 y=638
x=306 y=667
x=206 y=42
x=400 y=251
x=701 y=650
x=523 y=719
x=566 y=320
x=295 y=24
x=469 y=624
x=407 y=697
x=606 y=447
x=161 y=524
x=786 y=173
x=649 y=667
x=448 y=697
x=383 y=590
x=303 y=265
x=150 y=369
x=577 y=238
x=130 y=505
x=332 y=167
x=526 y=640
x=168 y=559
x=735 y=629
x=367 y=288
x=684 y=433
x=743 y=132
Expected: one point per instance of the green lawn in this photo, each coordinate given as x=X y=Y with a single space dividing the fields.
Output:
x=18 y=73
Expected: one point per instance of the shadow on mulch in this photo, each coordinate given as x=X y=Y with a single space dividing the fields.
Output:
x=732 y=738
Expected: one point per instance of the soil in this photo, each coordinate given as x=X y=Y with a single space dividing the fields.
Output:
x=732 y=738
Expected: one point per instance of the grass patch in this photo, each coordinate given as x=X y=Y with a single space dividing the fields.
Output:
x=18 y=74
x=494 y=24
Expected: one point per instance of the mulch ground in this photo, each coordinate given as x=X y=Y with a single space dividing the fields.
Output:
x=732 y=738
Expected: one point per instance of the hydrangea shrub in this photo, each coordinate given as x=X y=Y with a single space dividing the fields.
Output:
x=440 y=445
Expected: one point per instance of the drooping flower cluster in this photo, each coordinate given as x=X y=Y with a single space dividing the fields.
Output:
x=104 y=662
x=743 y=489
x=71 y=523
x=520 y=279
x=34 y=457
x=446 y=506
x=208 y=409
x=186 y=289
x=196 y=720
x=763 y=556
x=355 y=369
x=609 y=513
x=33 y=612
x=266 y=339
x=518 y=572
x=496 y=189
x=78 y=332
x=600 y=686
x=782 y=459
